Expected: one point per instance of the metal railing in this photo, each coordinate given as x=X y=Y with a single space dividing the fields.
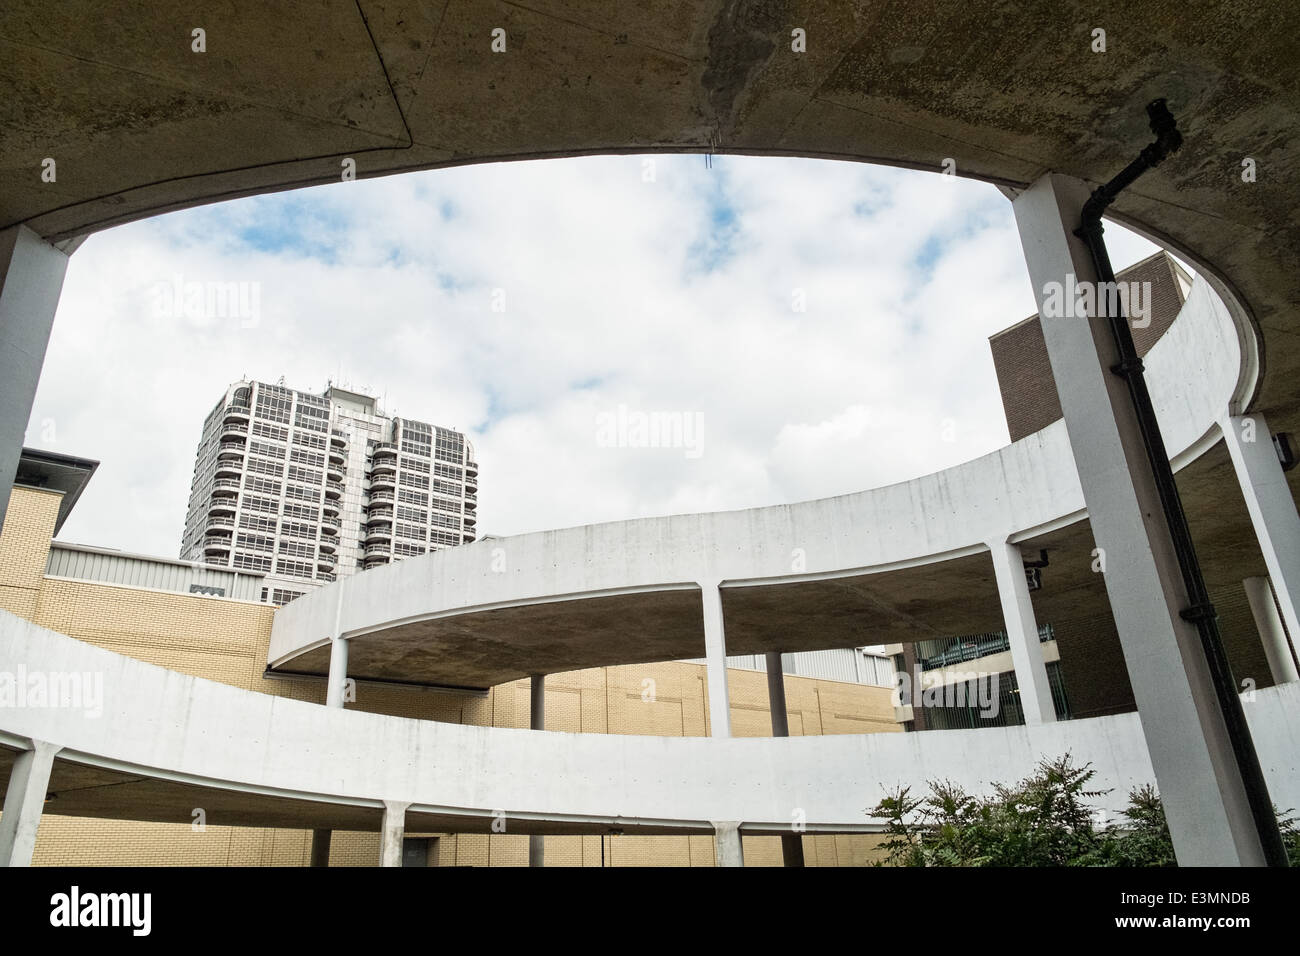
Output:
x=945 y=651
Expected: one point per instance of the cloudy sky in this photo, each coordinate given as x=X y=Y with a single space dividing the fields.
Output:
x=824 y=324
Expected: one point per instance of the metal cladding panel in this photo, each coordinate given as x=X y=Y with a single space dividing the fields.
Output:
x=838 y=664
x=826 y=665
x=141 y=572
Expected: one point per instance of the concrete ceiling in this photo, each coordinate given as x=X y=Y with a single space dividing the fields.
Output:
x=481 y=649
x=138 y=123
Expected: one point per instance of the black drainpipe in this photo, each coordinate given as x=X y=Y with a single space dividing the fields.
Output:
x=1200 y=611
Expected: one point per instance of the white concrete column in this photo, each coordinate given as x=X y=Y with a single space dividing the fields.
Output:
x=31 y=279
x=29 y=780
x=338 y=676
x=1272 y=508
x=1281 y=660
x=391 y=832
x=1022 y=633
x=337 y=681
x=727 y=844
x=715 y=652
x=537 y=721
x=1196 y=771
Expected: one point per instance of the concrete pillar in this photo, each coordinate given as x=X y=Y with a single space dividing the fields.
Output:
x=1022 y=633
x=31 y=278
x=391 y=832
x=335 y=692
x=537 y=721
x=776 y=703
x=336 y=682
x=1272 y=508
x=1196 y=769
x=338 y=676
x=320 y=847
x=29 y=781
x=715 y=652
x=727 y=844
x=791 y=843
x=1281 y=660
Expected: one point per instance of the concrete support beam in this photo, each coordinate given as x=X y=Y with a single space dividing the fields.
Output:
x=791 y=843
x=1196 y=770
x=727 y=844
x=1278 y=650
x=537 y=721
x=1022 y=633
x=29 y=781
x=715 y=652
x=391 y=833
x=31 y=279
x=1272 y=508
x=320 y=847
x=337 y=682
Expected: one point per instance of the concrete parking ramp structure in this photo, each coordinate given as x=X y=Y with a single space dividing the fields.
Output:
x=119 y=111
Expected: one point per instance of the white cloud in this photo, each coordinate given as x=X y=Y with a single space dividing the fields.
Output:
x=671 y=296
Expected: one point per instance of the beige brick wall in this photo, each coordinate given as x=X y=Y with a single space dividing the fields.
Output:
x=24 y=548
x=227 y=641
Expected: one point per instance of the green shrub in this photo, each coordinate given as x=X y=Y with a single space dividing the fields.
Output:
x=1044 y=820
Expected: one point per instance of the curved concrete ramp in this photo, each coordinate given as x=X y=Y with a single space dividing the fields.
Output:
x=172 y=742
